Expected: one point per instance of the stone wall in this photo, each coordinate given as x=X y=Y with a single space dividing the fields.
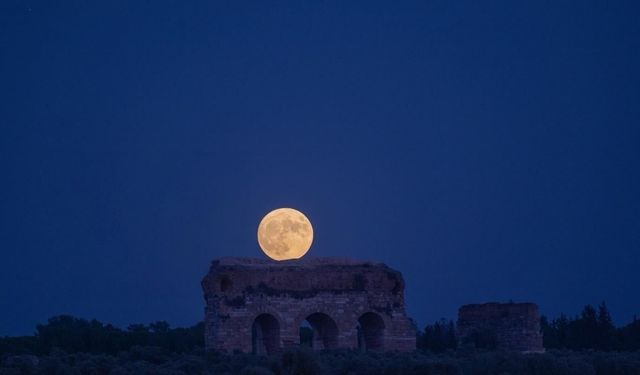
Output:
x=507 y=326
x=259 y=305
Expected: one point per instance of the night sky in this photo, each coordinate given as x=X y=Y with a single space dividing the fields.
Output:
x=490 y=152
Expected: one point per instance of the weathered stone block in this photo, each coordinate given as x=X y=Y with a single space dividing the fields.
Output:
x=507 y=326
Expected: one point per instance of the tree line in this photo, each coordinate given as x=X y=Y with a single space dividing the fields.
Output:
x=593 y=329
x=74 y=335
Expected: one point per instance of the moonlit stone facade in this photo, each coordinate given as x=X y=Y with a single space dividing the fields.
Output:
x=256 y=305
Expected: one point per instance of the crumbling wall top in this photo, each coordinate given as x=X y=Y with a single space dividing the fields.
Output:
x=308 y=276
x=498 y=310
x=303 y=262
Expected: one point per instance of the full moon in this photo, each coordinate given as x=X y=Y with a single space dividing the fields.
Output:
x=284 y=234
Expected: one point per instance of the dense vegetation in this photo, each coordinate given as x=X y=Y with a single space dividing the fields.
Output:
x=154 y=360
x=74 y=335
x=590 y=330
x=586 y=344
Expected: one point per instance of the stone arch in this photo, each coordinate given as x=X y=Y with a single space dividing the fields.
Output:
x=370 y=332
x=324 y=328
x=265 y=334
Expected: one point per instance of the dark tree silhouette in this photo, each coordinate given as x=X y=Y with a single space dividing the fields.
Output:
x=75 y=335
x=593 y=329
x=438 y=337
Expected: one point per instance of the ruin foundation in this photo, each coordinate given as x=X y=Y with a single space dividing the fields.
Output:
x=259 y=306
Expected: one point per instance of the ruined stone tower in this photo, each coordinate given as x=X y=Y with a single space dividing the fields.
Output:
x=256 y=305
x=506 y=326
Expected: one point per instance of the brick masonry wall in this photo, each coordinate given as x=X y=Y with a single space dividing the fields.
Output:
x=514 y=326
x=239 y=290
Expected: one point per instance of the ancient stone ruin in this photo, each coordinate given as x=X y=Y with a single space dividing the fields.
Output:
x=506 y=326
x=261 y=306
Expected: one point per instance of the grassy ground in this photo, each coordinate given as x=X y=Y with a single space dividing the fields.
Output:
x=152 y=360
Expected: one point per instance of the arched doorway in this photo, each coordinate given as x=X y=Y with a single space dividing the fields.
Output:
x=370 y=332
x=265 y=334
x=319 y=332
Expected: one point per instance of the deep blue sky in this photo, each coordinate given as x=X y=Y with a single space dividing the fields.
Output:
x=488 y=151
